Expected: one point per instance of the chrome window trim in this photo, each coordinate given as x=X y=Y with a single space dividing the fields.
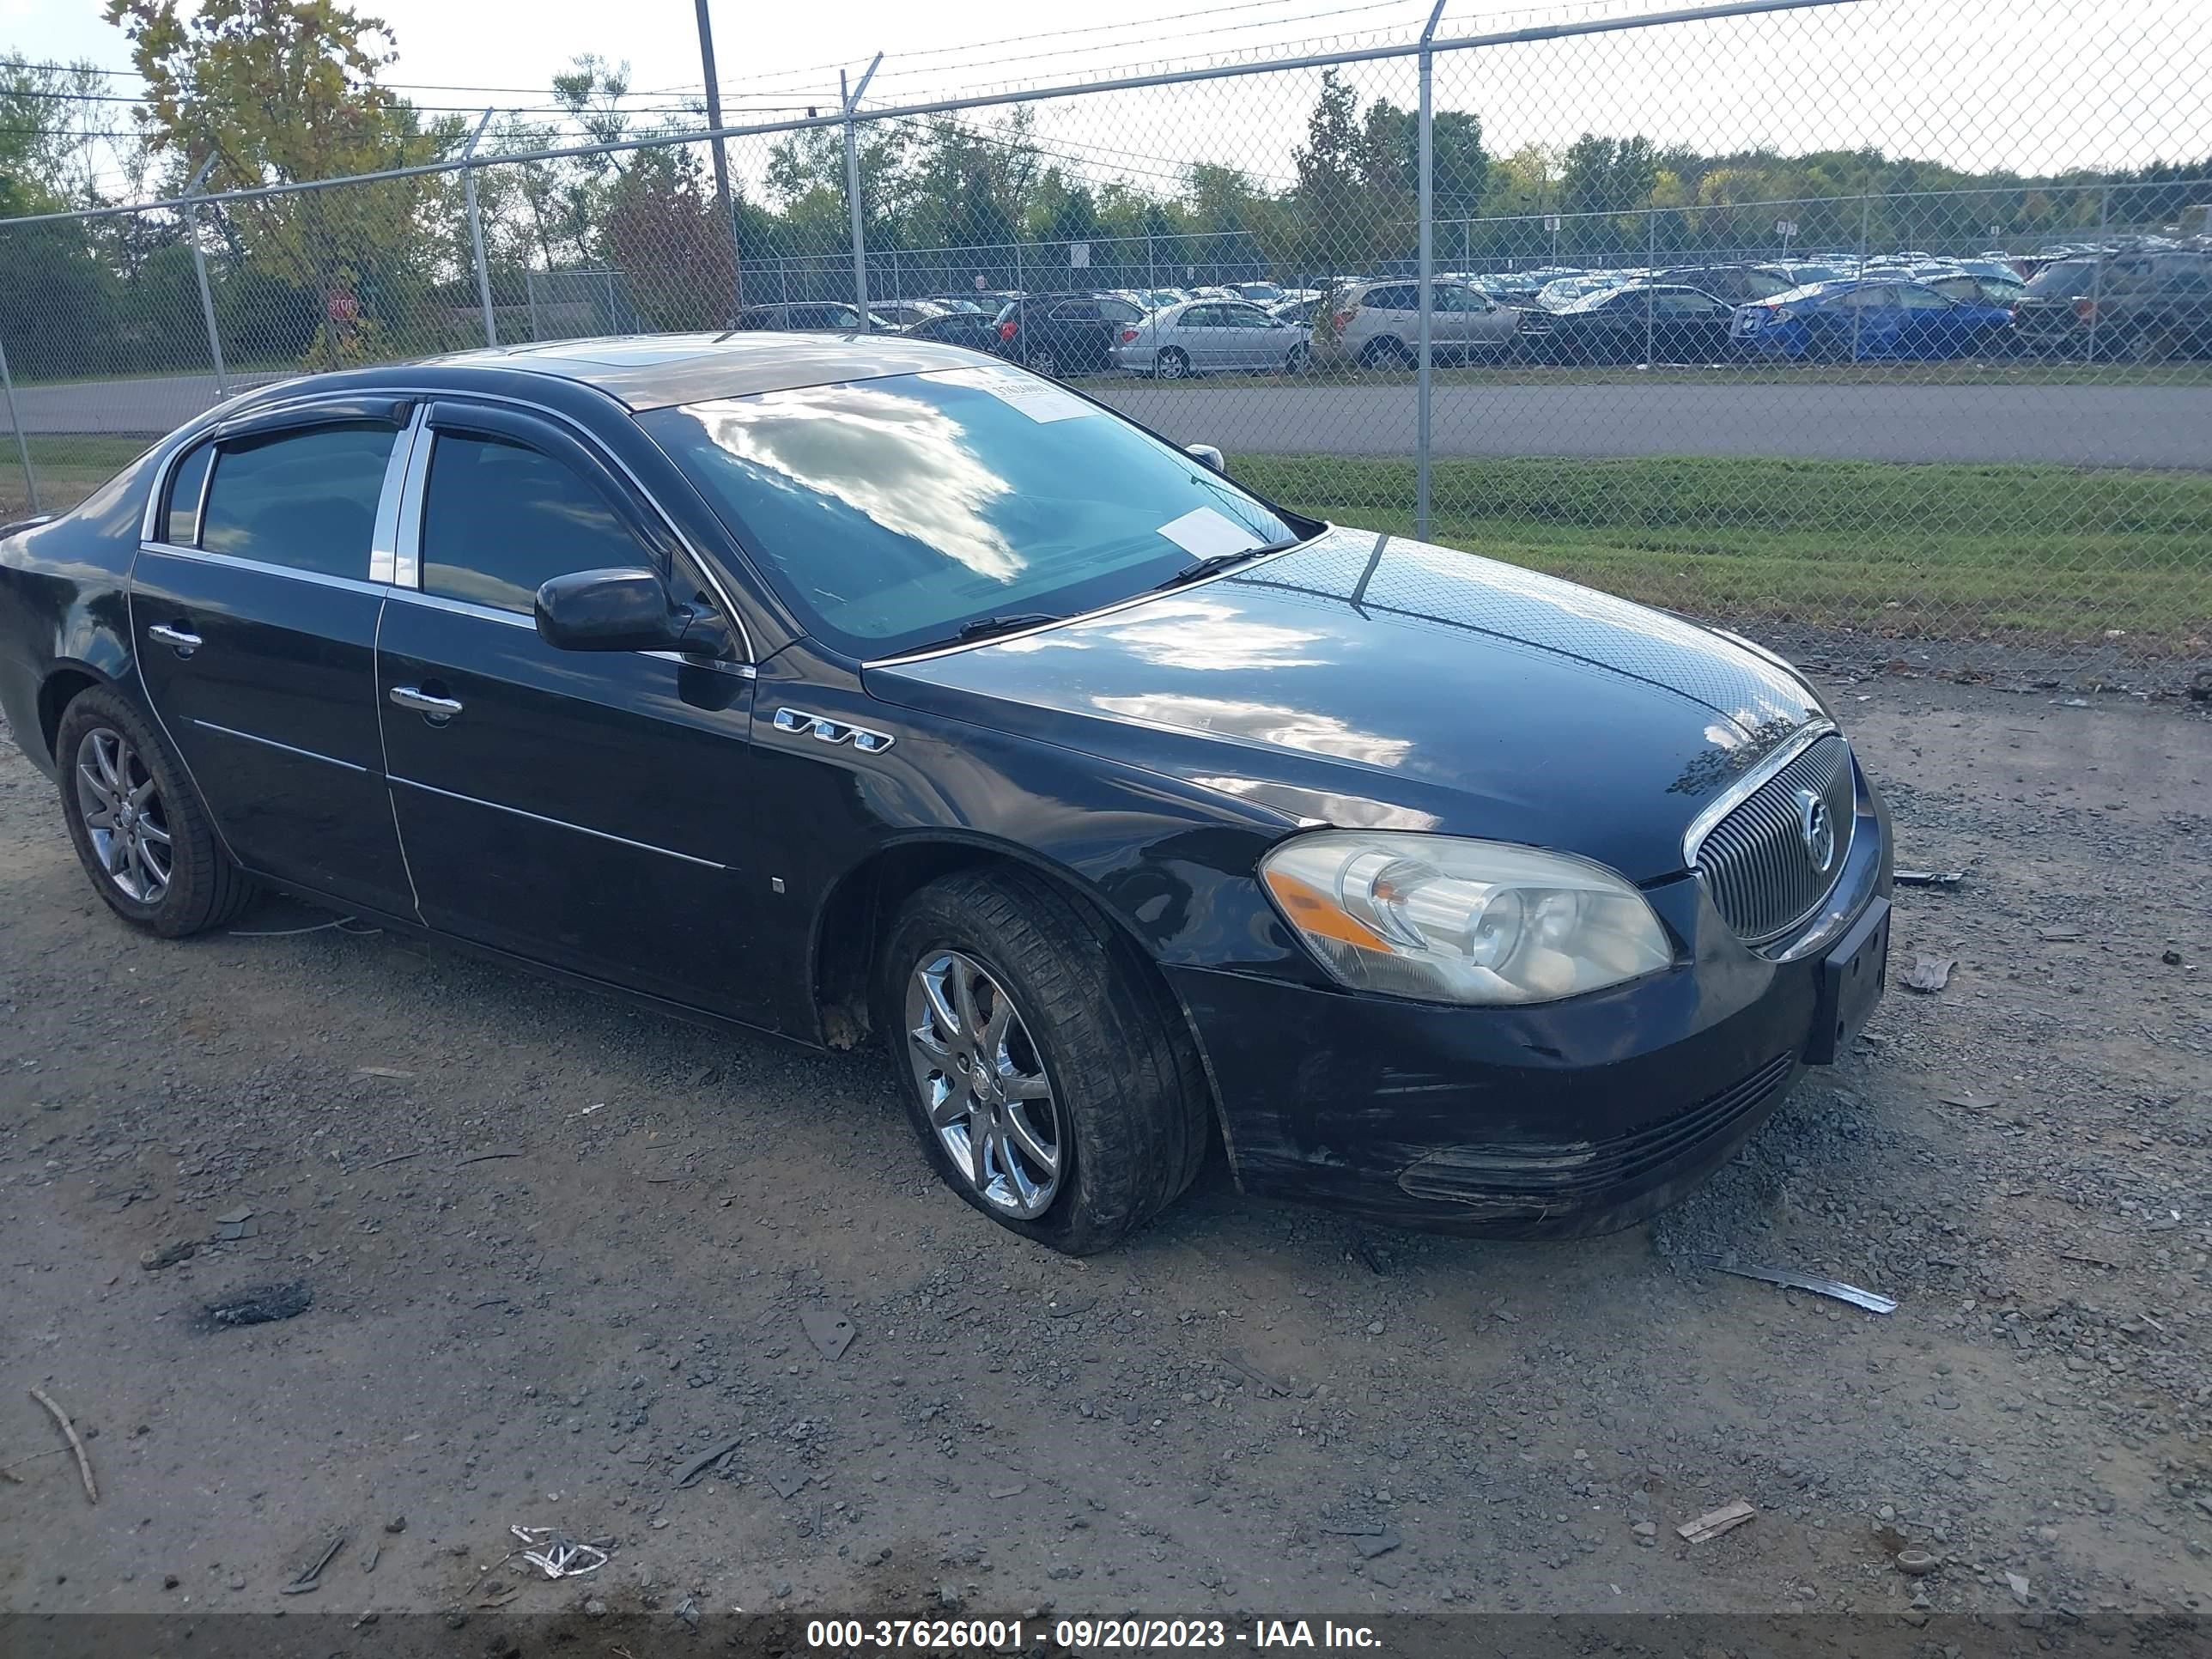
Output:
x=271 y=742
x=411 y=514
x=407 y=514
x=1748 y=785
x=743 y=671
x=562 y=823
x=200 y=424
x=203 y=555
x=463 y=607
x=384 y=540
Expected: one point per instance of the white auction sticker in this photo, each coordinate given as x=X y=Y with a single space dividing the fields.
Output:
x=1039 y=399
x=1204 y=533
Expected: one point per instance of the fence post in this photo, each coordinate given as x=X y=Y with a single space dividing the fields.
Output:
x=200 y=268
x=853 y=187
x=2097 y=272
x=475 y=231
x=22 y=441
x=1428 y=239
x=1151 y=277
x=1650 y=292
x=1866 y=225
x=530 y=292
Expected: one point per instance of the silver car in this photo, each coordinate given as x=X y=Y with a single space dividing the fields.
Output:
x=1200 y=337
x=1378 y=326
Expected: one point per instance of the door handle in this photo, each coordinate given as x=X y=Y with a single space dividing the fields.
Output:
x=184 y=641
x=440 y=709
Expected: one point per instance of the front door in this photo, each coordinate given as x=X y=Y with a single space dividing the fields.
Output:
x=591 y=810
x=253 y=619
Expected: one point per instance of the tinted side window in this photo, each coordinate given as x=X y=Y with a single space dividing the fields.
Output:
x=499 y=520
x=180 y=514
x=1392 y=299
x=305 y=499
x=756 y=319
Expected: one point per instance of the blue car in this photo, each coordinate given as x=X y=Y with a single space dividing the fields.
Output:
x=1862 y=317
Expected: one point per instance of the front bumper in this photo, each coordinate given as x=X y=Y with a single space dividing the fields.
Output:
x=1559 y=1121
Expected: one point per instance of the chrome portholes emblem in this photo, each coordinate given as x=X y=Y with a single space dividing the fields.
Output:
x=823 y=729
x=1816 y=828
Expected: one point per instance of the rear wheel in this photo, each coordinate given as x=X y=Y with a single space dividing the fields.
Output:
x=1172 y=365
x=1389 y=352
x=137 y=828
x=1043 y=1065
x=1042 y=361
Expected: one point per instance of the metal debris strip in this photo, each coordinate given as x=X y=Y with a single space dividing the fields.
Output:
x=1870 y=1300
x=1928 y=878
x=557 y=1555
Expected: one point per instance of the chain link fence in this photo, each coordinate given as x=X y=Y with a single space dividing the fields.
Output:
x=1878 y=329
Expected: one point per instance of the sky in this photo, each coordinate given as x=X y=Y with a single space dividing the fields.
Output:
x=2033 y=84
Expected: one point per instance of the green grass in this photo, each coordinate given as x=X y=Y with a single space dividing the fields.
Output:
x=2041 y=551
x=69 y=467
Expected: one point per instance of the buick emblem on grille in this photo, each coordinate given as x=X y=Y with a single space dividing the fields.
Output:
x=1816 y=828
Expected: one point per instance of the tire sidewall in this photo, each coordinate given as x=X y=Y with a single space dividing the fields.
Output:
x=928 y=928
x=183 y=901
x=1173 y=365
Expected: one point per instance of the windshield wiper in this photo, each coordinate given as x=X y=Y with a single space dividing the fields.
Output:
x=984 y=628
x=1213 y=563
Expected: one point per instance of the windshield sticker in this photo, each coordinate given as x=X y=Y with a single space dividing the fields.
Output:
x=1203 y=532
x=1041 y=400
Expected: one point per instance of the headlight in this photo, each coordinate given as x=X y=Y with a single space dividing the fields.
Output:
x=1444 y=920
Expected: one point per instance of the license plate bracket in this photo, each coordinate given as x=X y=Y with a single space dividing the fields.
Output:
x=1852 y=980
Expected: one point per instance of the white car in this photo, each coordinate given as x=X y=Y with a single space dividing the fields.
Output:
x=1200 y=337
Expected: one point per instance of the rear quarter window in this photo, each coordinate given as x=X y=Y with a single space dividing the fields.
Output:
x=180 y=510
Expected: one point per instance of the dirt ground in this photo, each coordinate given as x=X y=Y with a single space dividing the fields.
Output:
x=556 y=1248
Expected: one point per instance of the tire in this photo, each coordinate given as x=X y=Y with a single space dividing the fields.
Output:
x=1299 y=360
x=101 y=735
x=1387 y=352
x=1041 y=362
x=1126 y=1097
x=1171 y=365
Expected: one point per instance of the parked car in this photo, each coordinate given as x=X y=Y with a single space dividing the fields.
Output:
x=1803 y=275
x=1298 y=312
x=2149 y=304
x=1378 y=326
x=1737 y=284
x=1859 y=319
x=1261 y=294
x=904 y=313
x=1112 y=800
x=1979 y=288
x=976 y=329
x=809 y=316
x=1202 y=337
x=1059 y=334
x=1643 y=322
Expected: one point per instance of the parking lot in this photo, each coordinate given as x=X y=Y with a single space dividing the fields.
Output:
x=556 y=1251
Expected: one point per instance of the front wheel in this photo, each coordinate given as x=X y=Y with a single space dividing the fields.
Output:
x=1043 y=1065
x=1300 y=359
x=138 y=829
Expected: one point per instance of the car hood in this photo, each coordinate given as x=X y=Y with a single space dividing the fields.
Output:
x=1369 y=680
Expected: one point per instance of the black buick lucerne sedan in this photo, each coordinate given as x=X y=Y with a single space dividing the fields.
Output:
x=851 y=688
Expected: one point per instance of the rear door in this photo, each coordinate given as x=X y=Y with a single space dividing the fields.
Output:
x=1249 y=337
x=591 y=810
x=254 y=606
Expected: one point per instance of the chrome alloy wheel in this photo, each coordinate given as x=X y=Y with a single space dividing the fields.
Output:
x=984 y=1084
x=124 y=818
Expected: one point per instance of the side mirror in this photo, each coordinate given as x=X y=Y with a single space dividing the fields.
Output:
x=1207 y=456
x=626 y=610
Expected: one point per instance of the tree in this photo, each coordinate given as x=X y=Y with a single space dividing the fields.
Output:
x=285 y=92
x=1331 y=218
x=665 y=233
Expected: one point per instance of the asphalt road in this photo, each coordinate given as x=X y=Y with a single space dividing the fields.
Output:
x=2077 y=425
x=2081 y=426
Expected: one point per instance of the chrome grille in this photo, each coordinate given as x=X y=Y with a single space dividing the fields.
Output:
x=1756 y=862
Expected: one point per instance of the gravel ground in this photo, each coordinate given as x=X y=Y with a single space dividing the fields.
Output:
x=556 y=1249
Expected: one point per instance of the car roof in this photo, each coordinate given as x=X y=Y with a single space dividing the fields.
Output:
x=652 y=371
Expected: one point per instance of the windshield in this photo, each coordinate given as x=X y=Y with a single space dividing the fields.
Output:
x=888 y=513
x=2063 y=280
